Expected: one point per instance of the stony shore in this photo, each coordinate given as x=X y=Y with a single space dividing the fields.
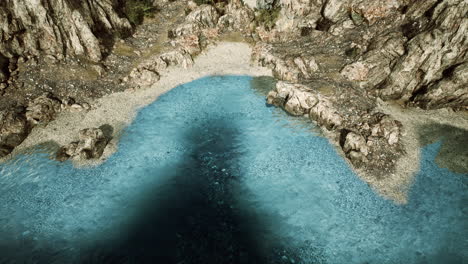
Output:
x=335 y=67
x=118 y=109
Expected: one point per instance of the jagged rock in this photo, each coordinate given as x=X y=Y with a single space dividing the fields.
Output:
x=189 y=43
x=177 y=57
x=3 y=68
x=43 y=109
x=91 y=145
x=355 y=142
x=356 y=71
x=377 y=10
x=185 y=29
x=430 y=53
x=293 y=97
x=204 y=15
x=325 y=114
x=14 y=128
x=237 y=17
x=147 y=73
x=449 y=92
x=57 y=28
x=387 y=128
x=297 y=14
x=376 y=64
x=286 y=70
x=297 y=99
x=357 y=157
x=372 y=11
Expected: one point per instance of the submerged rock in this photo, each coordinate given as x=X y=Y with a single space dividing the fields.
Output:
x=91 y=145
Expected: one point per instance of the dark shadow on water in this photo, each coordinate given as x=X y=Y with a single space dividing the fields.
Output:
x=196 y=217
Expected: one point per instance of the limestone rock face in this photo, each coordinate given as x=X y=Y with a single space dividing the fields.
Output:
x=57 y=27
x=371 y=11
x=43 y=109
x=376 y=64
x=205 y=15
x=90 y=145
x=451 y=91
x=430 y=56
x=237 y=17
x=296 y=14
x=14 y=128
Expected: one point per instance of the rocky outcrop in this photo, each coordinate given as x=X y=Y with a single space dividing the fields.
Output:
x=204 y=16
x=298 y=14
x=14 y=128
x=185 y=41
x=91 y=145
x=369 y=139
x=43 y=109
x=422 y=64
x=237 y=17
x=336 y=64
x=58 y=27
x=450 y=91
x=377 y=63
x=430 y=54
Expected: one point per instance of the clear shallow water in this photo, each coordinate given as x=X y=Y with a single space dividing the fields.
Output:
x=210 y=174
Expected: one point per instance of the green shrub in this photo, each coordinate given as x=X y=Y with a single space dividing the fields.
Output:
x=137 y=10
x=210 y=2
x=267 y=17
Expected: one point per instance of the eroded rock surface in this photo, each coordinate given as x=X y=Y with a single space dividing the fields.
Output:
x=58 y=28
x=43 y=109
x=14 y=128
x=91 y=145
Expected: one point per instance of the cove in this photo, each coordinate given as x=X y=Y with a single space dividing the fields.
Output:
x=209 y=174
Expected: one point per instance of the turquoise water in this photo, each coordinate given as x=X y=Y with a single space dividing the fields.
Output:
x=210 y=174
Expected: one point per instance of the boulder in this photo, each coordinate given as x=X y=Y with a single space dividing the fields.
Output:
x=355 y=142
x=43 y=109
x=204 y=15
x=387 y=128
x=91 y=145
x=237 y=17
x=177 y=57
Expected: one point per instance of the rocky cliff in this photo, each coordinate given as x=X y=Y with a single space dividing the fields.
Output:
x=335 y=60
x=58 y=28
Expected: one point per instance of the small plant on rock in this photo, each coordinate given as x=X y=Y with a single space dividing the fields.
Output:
x=137 y=10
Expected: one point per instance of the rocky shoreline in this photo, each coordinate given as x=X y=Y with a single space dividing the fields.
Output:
x=335 y=62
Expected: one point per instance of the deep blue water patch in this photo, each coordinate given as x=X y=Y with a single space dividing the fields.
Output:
x=209 y=174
